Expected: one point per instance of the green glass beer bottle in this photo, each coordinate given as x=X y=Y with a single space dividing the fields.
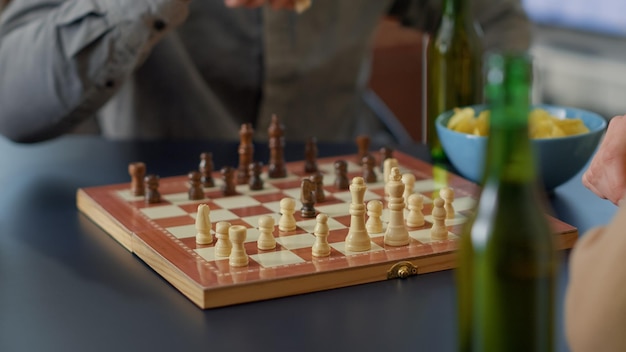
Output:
x=453 y=68
x=507 y=267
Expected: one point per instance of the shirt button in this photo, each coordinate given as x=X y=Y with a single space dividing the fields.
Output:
x=159 y=25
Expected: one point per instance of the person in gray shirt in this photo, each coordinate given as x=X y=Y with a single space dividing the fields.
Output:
x=172 y=69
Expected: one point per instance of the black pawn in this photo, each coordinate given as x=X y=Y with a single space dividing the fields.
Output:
x=254 y=171
x=195 y=186
x=341 y=175
x=152 y=189
x=206 y=169
x=369 y=163
x=228 y=176
x=318 y=181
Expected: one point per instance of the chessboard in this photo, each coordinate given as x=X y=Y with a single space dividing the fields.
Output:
x=163 y=234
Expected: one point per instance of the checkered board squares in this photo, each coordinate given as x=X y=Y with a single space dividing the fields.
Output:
x=166 y=211
x=163 y=234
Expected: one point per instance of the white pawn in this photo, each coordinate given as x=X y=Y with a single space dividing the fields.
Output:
x=287 y=221
x=320 y=246
x=237 y=235
x=448 y=196
x=409 y=184
x=203 y=225
x=388 y=164
x=266 y=240
x=222 y=246
x=416 y=204
x=439 y=231
x=374 y=223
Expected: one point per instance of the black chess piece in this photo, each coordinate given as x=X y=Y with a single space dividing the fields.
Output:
x=369 y=163
x=152 y=189
x=254 y=171
x=363 y=144
x=385 y=153
x=310 y=155
x=195 y=192
x=276 y=167
x=228 y=176
x=307 y=198
x=206 y=169
x=318 y=181
x=137 y=171
x=341 y=175
x=246 y=153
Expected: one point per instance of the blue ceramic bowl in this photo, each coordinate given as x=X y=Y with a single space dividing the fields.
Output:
x=558 y=159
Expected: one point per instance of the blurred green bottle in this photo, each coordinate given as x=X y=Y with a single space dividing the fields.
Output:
x=507 y=258
x=453 y=67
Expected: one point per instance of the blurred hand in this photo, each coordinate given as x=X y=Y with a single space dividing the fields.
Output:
x=606 y=175
x=595 y=299
x=275 y=4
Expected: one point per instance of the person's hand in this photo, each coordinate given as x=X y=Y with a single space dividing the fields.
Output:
x=595 y=299
x=606 y=175
x=275 y=4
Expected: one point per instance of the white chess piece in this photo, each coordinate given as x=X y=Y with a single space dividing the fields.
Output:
x=357 y=240
x=409 y=184
x=439 y=231
x=287 y=221
x=222 y=246
x=374 y=223
x=447 y=194
x=203 y=225
x=266 y=240
x=396 y=233
x=388 y=164
x=416 y=216
x=320 y=246
x=237 y=235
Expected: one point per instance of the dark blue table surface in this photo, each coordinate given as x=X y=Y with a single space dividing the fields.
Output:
x=66 y=286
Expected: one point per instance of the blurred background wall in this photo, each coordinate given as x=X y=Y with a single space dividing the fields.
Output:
x=580 y=50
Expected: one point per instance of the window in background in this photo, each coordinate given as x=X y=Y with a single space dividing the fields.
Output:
x=603 y=16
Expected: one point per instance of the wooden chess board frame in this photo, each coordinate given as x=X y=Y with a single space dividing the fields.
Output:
x=163 y=234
